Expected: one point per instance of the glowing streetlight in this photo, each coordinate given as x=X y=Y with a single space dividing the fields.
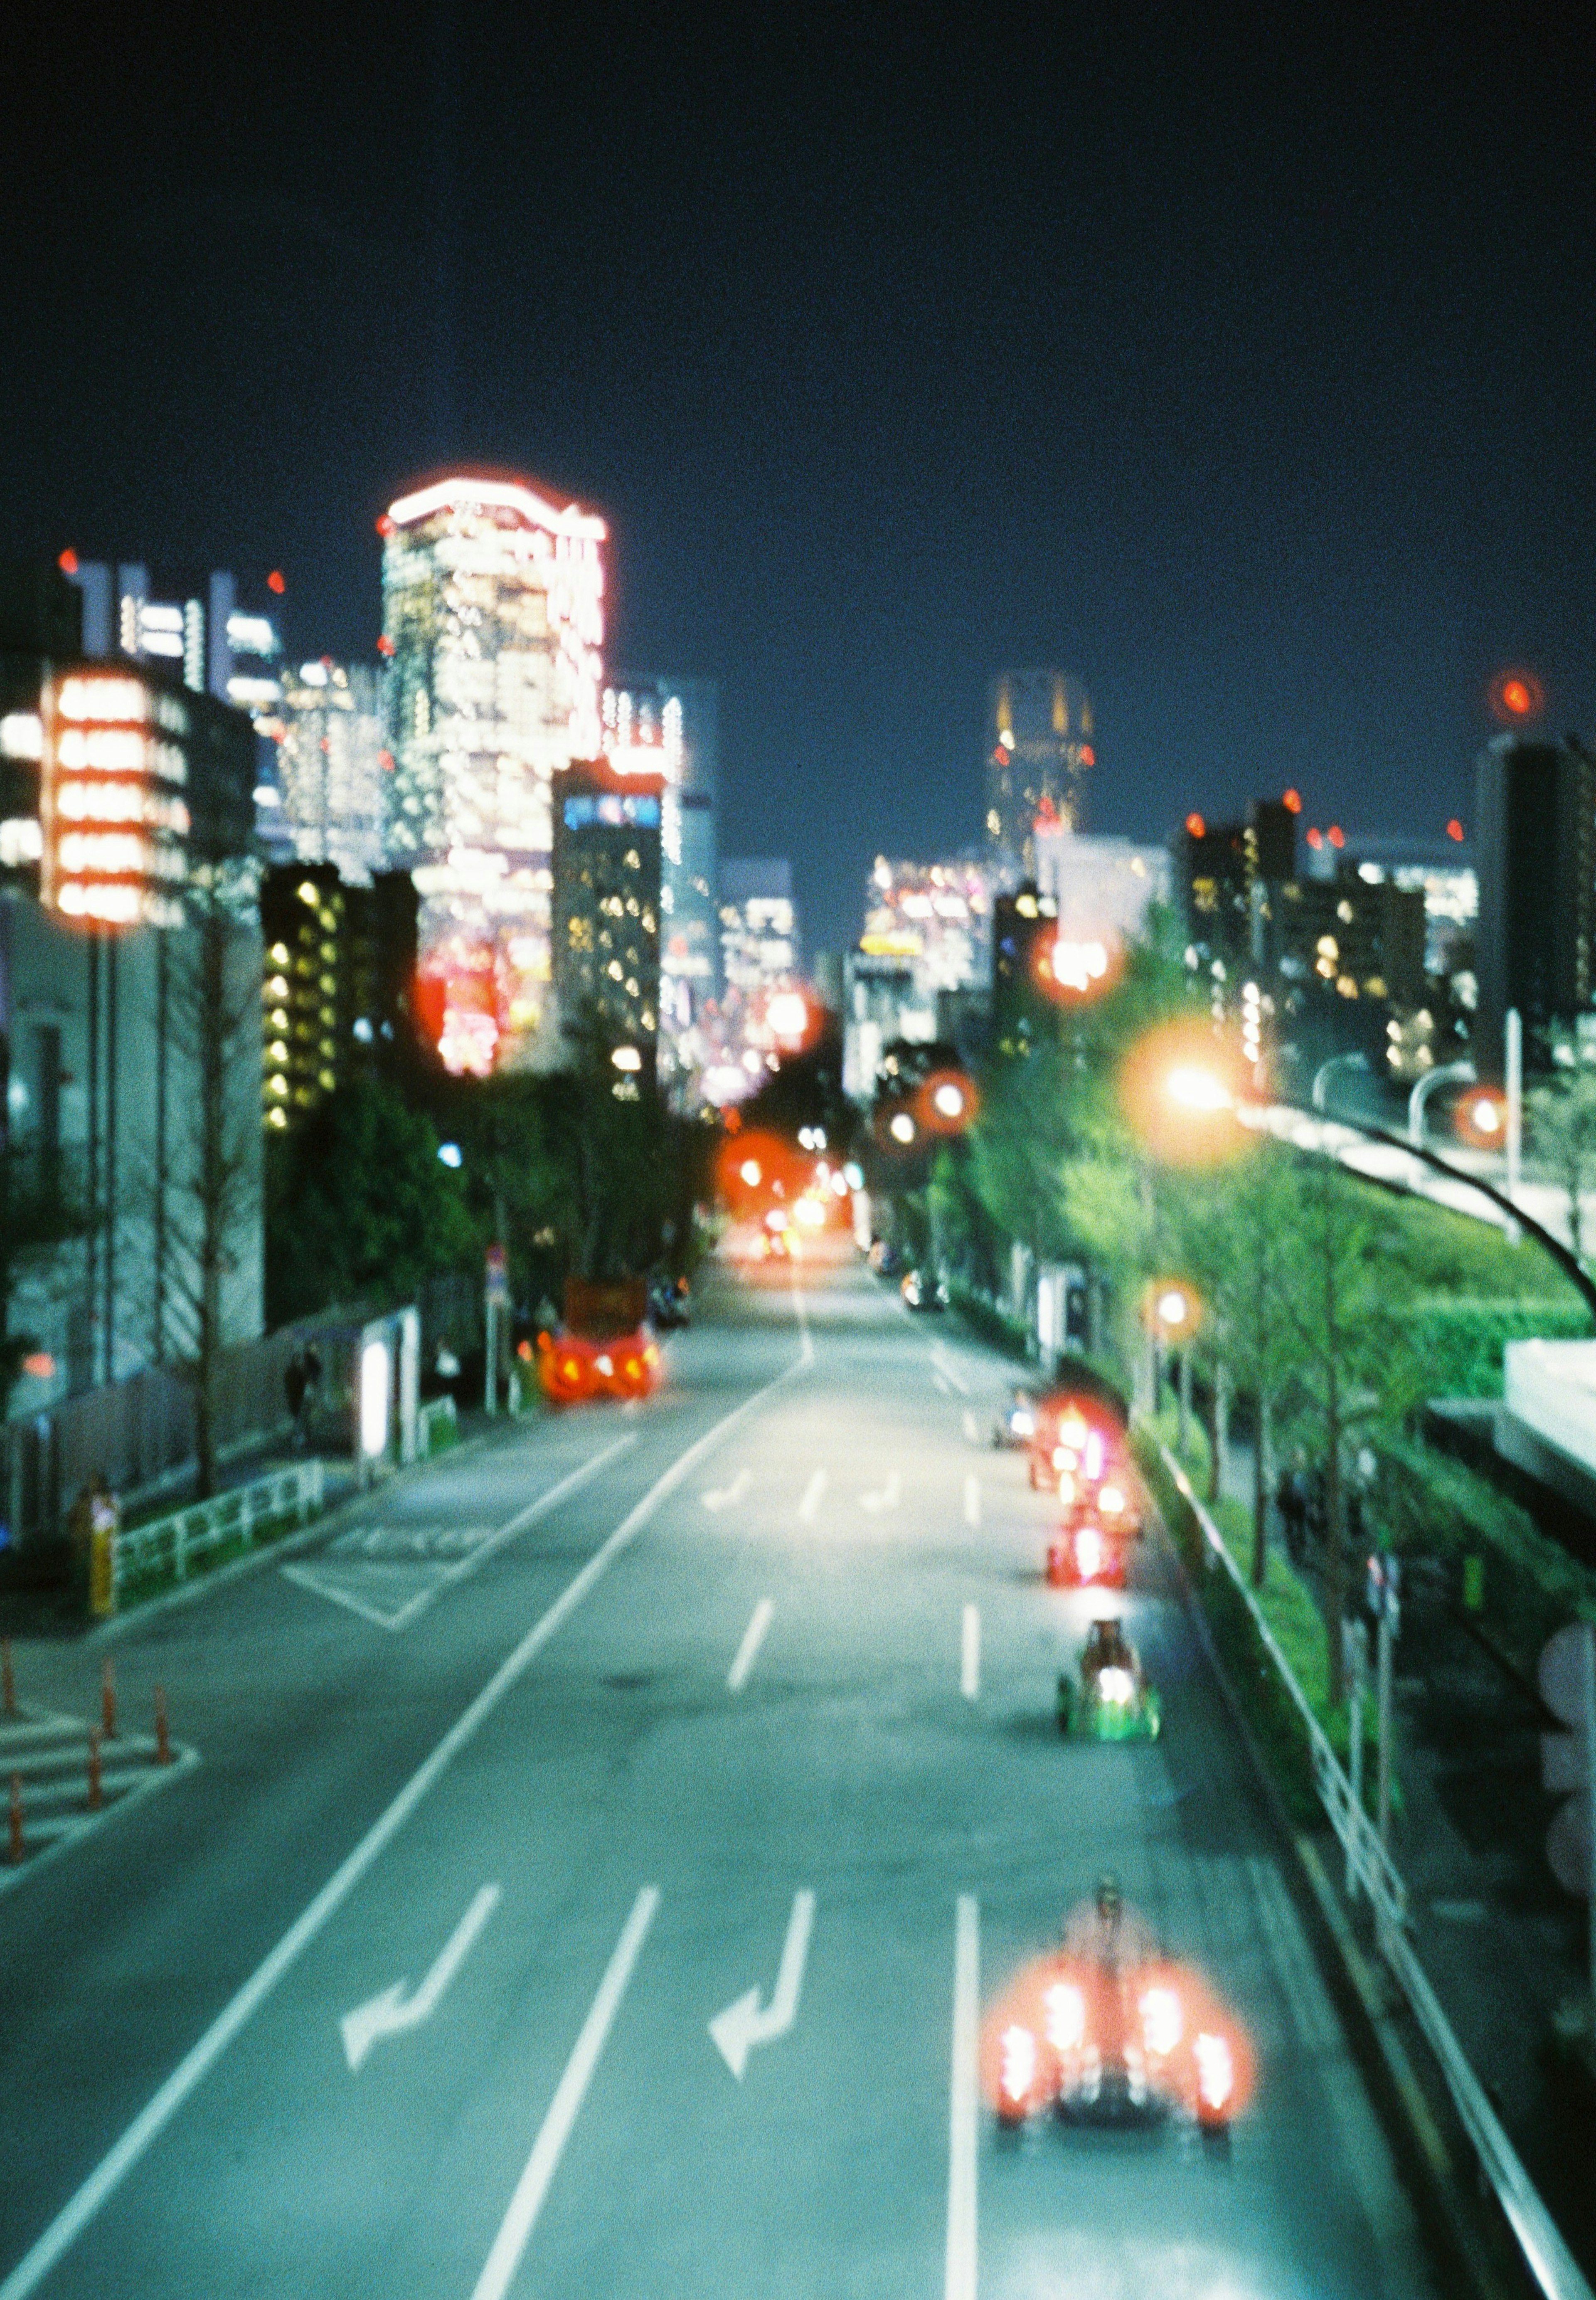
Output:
x=1195 y=1088
x=750 y=1172
x=949 y=1099
x=901 y=1126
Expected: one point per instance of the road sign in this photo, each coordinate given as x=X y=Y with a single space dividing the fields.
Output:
x=1567 y=1677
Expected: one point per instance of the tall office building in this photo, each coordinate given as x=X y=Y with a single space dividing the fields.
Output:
x=336 y=994
x=759 y=926
x=201 y=636
x=330 y=767
x=607 y=879
x=1535 y=853
x=671 y=725
x=493 y=619
x=1039 y=751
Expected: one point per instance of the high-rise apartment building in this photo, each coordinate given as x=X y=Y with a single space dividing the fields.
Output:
x=338 y=983
x=607 y=881
x=493 y=620
x=671 y=725
x=1535 y=853
x=1039 y=751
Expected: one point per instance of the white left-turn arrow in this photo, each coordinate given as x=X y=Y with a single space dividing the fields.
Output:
x=392 y=2012
x=744 y=2025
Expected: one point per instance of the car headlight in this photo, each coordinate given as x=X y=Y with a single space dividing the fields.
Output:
x=1117 y=1686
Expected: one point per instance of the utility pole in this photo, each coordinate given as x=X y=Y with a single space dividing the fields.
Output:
x=1355 y=1650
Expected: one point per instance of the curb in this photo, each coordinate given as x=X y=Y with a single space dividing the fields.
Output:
x=1439 y=2186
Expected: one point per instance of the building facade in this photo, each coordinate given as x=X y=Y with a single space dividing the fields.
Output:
x=607 y=882
x=338 y=987
x=1535 y=853
x=1040 y=748
x=330 y=768
x=493 y=623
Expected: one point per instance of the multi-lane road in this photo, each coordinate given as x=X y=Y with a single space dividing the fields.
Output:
x=596 y=1861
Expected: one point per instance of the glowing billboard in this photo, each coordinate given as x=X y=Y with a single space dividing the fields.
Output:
x=113 y=813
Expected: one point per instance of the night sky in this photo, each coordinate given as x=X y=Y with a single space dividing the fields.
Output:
x=1242 y=368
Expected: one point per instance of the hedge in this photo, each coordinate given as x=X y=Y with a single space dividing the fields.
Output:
x=1460 y=1339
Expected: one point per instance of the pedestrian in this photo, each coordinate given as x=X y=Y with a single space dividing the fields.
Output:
x=312 y=1385
x=293 y=1389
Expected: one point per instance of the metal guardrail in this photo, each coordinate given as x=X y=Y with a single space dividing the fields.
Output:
x=182 y=1535
x=1554 y=2268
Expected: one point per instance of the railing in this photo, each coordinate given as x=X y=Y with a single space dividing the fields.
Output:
x=170 y=1543
x=438 y=1415
x=1553 y=2266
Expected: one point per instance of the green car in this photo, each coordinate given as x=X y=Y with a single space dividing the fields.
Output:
x=1113 y=1700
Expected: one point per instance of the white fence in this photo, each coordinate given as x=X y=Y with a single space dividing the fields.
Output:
x=1553 y=2266
x=173 y=1542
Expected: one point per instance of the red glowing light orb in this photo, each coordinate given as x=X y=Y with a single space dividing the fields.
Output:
x=275 y=583
x=385 y=645
x=1088 y=755
x=1195 y=826
x=1454 y=828
x=39 y=1363
x=385 y=525
x=1293 y=802
x=1336 y=835
x=1316 y=838
x=1517 y=695
x=67 y=561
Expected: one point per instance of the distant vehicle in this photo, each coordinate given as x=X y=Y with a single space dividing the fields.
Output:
x=1015 y=1425
x=922 y=1290
x=669 y=1303
x=885 y=1260
x=1107 y=1698
x=1110 y=2030
x=602 y=1347
x=1087 y=1555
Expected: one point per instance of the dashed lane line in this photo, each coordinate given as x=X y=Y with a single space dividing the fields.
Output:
x=754 y=1637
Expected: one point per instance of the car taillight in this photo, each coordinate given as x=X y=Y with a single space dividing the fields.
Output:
x=1110 y=1501
x=634 y=1368
x=1216 y=2069
x=1088 y=1552
x=1019 y=2063
x=1066 y=1487
x=571 y=1369
x=1065 y=2010
x=1162 y=2025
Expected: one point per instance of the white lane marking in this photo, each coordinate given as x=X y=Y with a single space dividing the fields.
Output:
x=961 y=2284
x=754 y=1637
x=393 y=2013
x=153 y=2119
x=809 y=1508
x=888 y=1497
x=970 y=1656
x=946 y=1365
x=970 y=1428
x=723 y=1496
x=533 y=2186
x=972 y=1499
x=743 y=2025
x=308 y=1578
x=941 y=1381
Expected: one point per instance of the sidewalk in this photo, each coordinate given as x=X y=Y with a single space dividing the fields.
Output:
x=1503 y=1945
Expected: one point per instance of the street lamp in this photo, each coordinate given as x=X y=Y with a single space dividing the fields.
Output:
x=1175 y=1312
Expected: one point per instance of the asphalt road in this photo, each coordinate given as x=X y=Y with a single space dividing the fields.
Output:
x=760 y=1702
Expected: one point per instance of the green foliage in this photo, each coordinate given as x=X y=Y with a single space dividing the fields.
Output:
x=358 y=1207
x=1459 y=1340
x=983 y=1318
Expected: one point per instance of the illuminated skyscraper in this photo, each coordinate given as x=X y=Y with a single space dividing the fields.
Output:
x=330 y=767
x=493 y=616
x=671 y=725
x=607 y=911
x=1039 y=749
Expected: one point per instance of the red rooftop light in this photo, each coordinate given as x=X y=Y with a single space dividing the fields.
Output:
x=1336 y=835
x=1293 y=802
x=275 y=583
x=67 y=561
x=1196 y=826
x=1454 y=828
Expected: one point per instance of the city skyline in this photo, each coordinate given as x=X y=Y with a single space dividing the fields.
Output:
x=1283 y=537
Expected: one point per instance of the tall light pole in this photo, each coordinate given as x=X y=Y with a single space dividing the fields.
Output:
x=1321 y=1077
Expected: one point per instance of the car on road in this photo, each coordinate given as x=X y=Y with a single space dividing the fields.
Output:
x=1110 y=2030
x=922 y=1289
x=574 y=1369
x=1087 y=1555
x=1016 y=1426
x=1107 y=1696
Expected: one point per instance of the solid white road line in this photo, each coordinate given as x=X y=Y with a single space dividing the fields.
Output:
x=153 y=2119
x=961 y=2284
x=969 y=1659
x=972 y=1499
x=533 y=2185
x=809 y=1508
x=942 y=1382
x=754 y=1637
